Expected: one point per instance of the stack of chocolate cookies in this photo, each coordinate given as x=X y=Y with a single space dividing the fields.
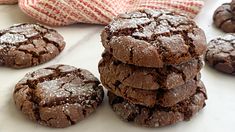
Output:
x=151 y=67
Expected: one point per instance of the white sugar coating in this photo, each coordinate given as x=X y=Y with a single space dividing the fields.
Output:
x=175 y=20
x=163 y=27
x=39 y=73
x=132 y=15
x=18 y=28
x=79 y=90
x=28 y=32
x=221 y=46
x=228 y=37
x=78 y=87
x=48 y=90
x=225 y=44
x=42 y=29
x=155 y=13
x=138 y=18
x=66 y=68
x=12 y=38
x=157 y=22
x=137 y=14
x=54 y=36
x=127 y=23
x=148 y=31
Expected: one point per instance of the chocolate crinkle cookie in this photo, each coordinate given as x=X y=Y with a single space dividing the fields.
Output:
x=168 y=77
x=153 y=38
x=221 y=53
x=158 y=116
x=58 y=96
x=26 y=45
x=224 y=18
x=151 y=98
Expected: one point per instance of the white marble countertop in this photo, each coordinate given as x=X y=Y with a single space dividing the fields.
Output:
x=84 y=50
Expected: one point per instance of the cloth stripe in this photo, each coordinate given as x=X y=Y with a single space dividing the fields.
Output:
x=65 y=12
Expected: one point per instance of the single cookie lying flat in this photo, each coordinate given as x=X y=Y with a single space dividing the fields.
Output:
x=221 y=53
x=223 y=18
x=27 y=45
x=151 y=98
x=168 y=77
x=58 y=96
x=158 y=116
x=153 y=38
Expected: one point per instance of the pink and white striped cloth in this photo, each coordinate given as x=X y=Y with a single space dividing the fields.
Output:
x=65 y=12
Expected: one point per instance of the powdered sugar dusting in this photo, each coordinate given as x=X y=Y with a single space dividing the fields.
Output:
x=77 y=86
x=127 y=23
x=66 y=68
x=9 y=38
x=148 y=23
x=40 y=73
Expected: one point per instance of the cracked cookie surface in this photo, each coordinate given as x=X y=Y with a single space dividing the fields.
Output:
x=221 y=53
x=58 y=96
x=169 y=77
x=26 y=45
x=158 y=116
x=152 y=38
x=151 y=98
x=223 y=18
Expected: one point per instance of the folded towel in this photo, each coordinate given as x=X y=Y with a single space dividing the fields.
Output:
x=65 y=12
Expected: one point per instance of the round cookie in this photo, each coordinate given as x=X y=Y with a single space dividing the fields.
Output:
x=221 y=53
x=26 y=45
x=153 y=38
x=168 y=77
x=151 y=98
x=158 y=116
x=223 y=18
x=58 y=96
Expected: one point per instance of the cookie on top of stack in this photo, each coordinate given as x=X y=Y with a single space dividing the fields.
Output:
x=151 y=67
